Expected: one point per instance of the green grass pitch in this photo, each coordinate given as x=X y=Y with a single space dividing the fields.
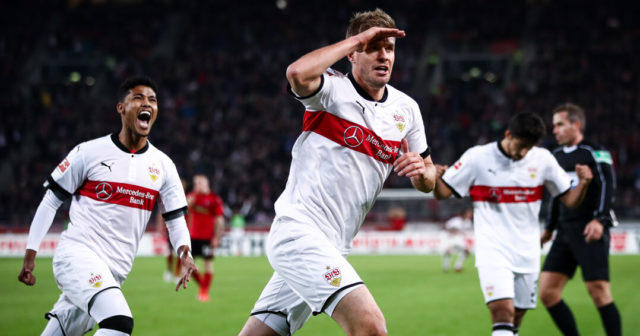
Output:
x=416 y=297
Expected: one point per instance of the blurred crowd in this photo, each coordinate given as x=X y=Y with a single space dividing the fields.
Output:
x=224 y=110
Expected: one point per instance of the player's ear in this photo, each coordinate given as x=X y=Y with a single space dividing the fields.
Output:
x=120 y=108
x=351 y=58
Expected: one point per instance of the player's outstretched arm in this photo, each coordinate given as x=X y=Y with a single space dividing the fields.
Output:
x=188 y=266
x=304 y=74
x=574 y=197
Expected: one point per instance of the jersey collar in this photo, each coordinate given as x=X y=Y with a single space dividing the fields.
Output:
x=502 y=150
x=364 y=93
x=116 y=141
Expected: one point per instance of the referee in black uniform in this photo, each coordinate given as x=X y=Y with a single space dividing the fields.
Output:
x=583 y=233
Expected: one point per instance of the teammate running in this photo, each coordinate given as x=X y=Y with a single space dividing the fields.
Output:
x=583 y=233
x=505 y=180
x=113 y=182
x=356 y=130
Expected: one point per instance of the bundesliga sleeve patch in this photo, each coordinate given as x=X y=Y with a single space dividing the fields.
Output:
x=62 y=167
x=603 y=156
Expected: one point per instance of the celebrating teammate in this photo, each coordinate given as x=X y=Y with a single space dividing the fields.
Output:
x=505 y=180
x=583 y=233
x=206 y=223
x=113 y=182
x=356 y=130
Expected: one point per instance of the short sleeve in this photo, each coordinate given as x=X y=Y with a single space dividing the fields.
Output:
x=556 y=180
x=324 y=95
x=461 y=175
x=69 y=175
x=416 y=136
x=173 y=202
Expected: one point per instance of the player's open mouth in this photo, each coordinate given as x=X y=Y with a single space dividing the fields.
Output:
x=382 y=69
x=143 y=119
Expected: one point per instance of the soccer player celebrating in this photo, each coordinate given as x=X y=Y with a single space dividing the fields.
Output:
x=356 y=130
x=113 y=182
x=505 y=180
x=583 y=233
x=206 y=223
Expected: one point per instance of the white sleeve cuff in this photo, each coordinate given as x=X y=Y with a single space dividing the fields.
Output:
x=43 y=219
x=178 y=232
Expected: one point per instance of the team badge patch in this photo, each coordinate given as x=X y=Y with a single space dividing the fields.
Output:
x=95 y=280
x=399 y=120
x=333 y=276
x=154 y=172
x=489 y=290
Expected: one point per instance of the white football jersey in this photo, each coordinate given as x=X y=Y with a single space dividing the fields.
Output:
x=506 y=197
x=113 y=193
x=347 y=148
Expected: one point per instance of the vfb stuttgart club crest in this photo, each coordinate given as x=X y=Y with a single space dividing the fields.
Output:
x=333 y=276
x=353 y=136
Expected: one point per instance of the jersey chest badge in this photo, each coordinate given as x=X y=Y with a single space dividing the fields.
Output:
x=399 y=120
x=154 y=172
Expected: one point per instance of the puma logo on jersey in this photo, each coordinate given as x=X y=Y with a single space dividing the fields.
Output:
x=491 y=171
x=107 y=165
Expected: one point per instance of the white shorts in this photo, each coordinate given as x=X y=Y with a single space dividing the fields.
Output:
x=501 y=283
x=311 y=277
x=80 y=273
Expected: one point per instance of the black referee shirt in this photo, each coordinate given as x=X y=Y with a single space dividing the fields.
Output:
x=597 y=202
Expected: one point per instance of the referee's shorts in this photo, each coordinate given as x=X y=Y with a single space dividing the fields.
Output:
x=570 y=250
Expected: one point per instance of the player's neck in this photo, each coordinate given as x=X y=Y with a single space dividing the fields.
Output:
x=132 y=141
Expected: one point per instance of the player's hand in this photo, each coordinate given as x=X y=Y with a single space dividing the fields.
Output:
x=188 y=267
x=593 y=231
x=410 y=164
x=584 y=173
x=545 y=237
x=26 y=273
x=376 y=33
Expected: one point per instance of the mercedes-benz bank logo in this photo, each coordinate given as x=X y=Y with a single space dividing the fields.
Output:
x=353 y=136
x=104 y=191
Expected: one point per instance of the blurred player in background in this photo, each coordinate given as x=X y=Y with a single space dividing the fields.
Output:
x=505 y=180
x=113 y=182
x=583 y=233
x=356 y=130
x=206 y=225
x=457 y=228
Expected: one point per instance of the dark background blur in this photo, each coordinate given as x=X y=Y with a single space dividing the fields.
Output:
x=224 y=110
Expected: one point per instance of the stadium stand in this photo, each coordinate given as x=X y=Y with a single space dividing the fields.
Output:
x=224 y=108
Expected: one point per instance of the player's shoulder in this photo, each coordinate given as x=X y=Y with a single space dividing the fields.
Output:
x=598 y=152
x=541 y=153
x=155 y=151
x=590 y=146
x=396 y=95
x=96 y=145
x=335 y=73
